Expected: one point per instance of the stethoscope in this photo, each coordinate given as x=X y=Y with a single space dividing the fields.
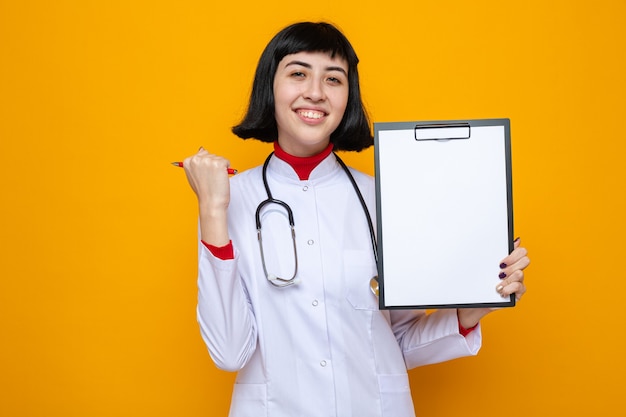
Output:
x=285 y=282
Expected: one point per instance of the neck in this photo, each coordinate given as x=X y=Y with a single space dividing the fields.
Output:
x=302 y=165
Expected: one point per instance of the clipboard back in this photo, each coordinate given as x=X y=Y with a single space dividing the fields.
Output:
x=444 y=212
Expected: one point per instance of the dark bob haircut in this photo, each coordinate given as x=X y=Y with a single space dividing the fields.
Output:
x=259 y=122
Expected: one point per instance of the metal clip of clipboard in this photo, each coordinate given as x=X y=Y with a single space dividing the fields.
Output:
x=442 y=131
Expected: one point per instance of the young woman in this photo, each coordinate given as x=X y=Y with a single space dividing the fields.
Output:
x=286 y=257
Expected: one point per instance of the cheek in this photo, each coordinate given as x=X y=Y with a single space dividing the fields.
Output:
x=284 y=92
x=279 y=101
x=341 y=102
x=278 y=93
x=341 y=98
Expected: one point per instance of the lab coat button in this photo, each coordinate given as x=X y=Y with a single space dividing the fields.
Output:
x=310 y=242
x=323 y=364
x=315 y=303
x=305 y=188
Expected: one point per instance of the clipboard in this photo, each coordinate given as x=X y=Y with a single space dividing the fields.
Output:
x=444 y=212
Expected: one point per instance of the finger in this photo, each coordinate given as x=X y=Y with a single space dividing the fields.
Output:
x=512 y=284
x=213 y=165
x=187 y=162
x=516 y=243
x=520 y=265
x=517 y=287
x=515 y=256
x=516 y=279
x=514 y=273
x=515 y=276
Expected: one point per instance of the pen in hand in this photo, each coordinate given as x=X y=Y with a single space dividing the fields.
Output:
x=231 y=171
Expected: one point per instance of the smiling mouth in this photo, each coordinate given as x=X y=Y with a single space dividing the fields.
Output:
x=311 y=114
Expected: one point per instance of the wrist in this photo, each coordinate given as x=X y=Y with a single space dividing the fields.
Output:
x=469 y=317
x=214 y=226
x=209 y=206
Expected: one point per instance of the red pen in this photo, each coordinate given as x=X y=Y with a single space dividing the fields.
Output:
x=231 y=171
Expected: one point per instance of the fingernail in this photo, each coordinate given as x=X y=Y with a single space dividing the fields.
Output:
x=499 y=288
x=502 y=265
x=502 y=275
x=516 y=239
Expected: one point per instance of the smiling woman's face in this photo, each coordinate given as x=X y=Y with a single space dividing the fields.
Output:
x=310 y=98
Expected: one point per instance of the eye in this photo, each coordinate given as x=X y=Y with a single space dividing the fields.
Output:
x=336 y=80
x=297 y=74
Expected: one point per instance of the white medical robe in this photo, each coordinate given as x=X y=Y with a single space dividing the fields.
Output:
x=320 y=347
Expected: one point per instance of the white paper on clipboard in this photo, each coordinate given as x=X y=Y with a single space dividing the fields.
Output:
x=444 y=212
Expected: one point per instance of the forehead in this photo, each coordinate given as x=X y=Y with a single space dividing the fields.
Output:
x=314 y=59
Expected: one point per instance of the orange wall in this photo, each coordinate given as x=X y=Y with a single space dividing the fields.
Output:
x=97 y=265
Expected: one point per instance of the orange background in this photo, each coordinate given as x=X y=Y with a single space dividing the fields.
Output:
x=98 y=257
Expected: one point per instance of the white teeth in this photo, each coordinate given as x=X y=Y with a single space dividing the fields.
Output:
x=309 y=114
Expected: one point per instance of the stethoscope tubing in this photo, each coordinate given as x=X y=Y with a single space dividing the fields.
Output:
x=282 y=282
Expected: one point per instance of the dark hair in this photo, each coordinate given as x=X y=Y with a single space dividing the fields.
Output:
x=353 y=133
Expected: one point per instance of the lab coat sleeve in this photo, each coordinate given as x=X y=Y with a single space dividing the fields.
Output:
x=432 y=338
x=224 y=312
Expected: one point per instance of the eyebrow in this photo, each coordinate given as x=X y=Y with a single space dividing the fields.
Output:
x=307 y=65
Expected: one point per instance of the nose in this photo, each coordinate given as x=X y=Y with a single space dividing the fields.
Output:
x=314 y=90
